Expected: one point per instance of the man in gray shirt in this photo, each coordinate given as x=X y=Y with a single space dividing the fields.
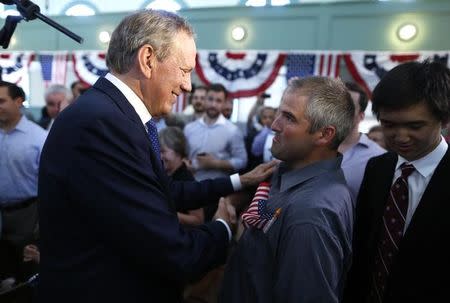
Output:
x=297 y=242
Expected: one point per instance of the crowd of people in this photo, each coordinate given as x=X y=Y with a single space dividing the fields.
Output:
x=111 y=197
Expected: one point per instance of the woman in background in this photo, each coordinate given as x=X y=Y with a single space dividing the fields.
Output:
x=173 y=154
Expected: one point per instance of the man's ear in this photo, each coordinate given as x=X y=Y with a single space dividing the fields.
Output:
x=18 y=101
x=361 y=116
x=326 y=135
x=146 y=60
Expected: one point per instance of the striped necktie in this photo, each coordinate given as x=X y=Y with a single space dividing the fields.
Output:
x=393 y=225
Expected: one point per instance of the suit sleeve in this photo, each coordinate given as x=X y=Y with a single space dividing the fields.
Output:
x=118 y=195
x=193 y=194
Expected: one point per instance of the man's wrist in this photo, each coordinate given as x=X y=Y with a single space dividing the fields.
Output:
x=236 y=182
x=243 y=180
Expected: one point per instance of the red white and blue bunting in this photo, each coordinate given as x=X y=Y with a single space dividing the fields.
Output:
x=367 y=68
x=15 y=65
x=89 y=65
x=244 y=74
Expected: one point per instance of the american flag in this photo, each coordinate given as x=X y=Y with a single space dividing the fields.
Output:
x=325 y=64
x=54 y=67
x=257 y=214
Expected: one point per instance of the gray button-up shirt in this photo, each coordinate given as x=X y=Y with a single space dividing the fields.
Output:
x=306 y=253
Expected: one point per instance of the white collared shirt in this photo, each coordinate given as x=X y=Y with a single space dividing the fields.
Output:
x=419 y=179
x=131 y=96
x=221 y=120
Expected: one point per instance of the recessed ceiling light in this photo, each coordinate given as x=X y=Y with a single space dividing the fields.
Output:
x=104 y=37
x=238 y=33
x=407 y=32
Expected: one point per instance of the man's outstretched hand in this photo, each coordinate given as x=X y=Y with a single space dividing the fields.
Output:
x=258 y=174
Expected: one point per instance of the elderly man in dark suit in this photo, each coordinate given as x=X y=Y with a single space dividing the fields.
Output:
x=402 y=220
x=109 y=229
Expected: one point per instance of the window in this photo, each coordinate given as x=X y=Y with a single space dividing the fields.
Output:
x=168 y=5
x=80 y=9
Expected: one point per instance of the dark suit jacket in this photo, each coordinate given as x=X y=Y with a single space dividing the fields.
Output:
x=108 y=230
x=421 y=271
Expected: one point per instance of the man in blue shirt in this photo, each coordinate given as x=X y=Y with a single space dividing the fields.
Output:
x=21 y=142
x=297 y=242
x=216 y=146
x=357 y=148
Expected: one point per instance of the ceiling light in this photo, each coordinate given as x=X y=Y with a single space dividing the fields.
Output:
x=238 y=33
x=407 y=32
x=104 y=37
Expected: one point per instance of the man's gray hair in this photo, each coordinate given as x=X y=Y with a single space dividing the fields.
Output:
x=154 y=27
x=329 y=103
x=56 y=89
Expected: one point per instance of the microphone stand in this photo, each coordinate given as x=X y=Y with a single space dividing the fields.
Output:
x=30 y=11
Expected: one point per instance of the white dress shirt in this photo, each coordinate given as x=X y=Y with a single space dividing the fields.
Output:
x=419 y=179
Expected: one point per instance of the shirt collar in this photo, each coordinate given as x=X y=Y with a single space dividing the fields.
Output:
x=220 y=121
x=22 y=125
x=132 y=98
x=364 y=140
x=427 y=164
x=289 y=178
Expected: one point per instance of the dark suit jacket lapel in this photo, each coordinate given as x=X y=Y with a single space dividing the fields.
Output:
x=119 y=99
x=383 y=181
x=433 y=199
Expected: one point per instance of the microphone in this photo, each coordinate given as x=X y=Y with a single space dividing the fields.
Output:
x=31 y=11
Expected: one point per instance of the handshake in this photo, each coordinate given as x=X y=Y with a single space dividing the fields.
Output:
x=227 y=212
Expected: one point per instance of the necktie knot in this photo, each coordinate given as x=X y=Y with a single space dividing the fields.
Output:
x=407 y=170
x=151 y=126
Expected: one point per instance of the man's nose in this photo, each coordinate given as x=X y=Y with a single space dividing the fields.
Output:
x=276 y=125
x=402 y=135
x=186 y=84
